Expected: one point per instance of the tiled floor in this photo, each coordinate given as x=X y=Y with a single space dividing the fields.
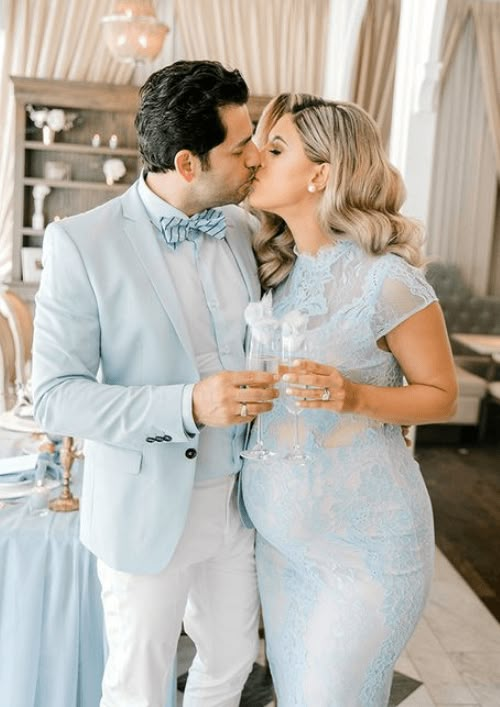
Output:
x=455 y=650
x=454 y=653
x=464 y=486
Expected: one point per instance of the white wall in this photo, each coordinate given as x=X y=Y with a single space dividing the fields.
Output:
x=414 y=113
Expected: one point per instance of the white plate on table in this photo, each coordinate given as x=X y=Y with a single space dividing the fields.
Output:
x=11 y=491
x=15 y=423
x=17 y=465
x=17 y=488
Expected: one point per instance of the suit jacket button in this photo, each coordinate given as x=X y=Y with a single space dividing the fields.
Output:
x=191 y=453
x=150 y=439
x=167 y=438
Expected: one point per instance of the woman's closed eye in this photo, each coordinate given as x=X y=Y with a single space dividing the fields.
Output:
x=274 y=151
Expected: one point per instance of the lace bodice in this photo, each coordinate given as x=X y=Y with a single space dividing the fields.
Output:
x=352 y=300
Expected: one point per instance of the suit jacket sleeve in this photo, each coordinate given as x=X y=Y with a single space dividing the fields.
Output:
x=68 y=398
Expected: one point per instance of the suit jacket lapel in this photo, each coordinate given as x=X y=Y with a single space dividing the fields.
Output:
x=143 y=238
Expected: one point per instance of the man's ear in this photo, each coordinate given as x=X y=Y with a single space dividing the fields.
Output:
x=187 y=165
x=320 y=179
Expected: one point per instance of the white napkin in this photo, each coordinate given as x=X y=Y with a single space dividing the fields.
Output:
x=22 y=465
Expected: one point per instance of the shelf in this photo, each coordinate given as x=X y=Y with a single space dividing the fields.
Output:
x=24 y=289
x=31 y=232
x=69 y=184
x=82 y=149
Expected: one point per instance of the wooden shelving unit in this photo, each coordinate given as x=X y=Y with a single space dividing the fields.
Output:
x=105 y=109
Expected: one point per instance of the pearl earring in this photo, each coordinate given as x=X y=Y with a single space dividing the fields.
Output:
x=311 y=188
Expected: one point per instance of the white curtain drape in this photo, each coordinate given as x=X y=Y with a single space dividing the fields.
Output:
x=344 y=22
x=486 y=15
x=460 y=228
x=278 y=45
x=375 y=62
x=495 y=255
x=54 y=39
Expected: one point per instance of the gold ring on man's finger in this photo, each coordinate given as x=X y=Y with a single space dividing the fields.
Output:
x=243 y=410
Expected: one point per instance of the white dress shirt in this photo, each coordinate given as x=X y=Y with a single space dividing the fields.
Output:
x=213 y=297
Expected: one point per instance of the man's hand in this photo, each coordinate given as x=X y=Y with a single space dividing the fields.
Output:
x=233 y=397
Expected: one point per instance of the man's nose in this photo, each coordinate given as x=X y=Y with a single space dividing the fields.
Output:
x=253 y=156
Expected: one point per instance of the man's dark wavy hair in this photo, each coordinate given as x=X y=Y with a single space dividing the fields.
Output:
x=179 y=111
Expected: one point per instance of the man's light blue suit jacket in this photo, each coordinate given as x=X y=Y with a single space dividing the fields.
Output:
x=111 y=355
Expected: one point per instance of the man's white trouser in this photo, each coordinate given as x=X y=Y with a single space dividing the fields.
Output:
x=211 y=584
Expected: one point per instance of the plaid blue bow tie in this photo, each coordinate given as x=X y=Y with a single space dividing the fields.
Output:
x=176 y=229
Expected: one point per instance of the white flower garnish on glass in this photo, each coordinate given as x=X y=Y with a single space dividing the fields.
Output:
x=259 y=317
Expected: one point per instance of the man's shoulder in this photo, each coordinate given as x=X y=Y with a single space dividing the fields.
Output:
x=101 y=219
x=87 y=221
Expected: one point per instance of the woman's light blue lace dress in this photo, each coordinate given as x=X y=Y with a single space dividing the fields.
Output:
x=344 y=544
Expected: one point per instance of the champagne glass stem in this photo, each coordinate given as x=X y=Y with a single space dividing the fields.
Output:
x=296 y=445
x=260 y=442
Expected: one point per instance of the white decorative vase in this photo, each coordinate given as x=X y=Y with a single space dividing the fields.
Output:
x=47 y=135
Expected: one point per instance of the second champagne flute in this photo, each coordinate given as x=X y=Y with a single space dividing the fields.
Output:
x=293 y=348
x=261 y=355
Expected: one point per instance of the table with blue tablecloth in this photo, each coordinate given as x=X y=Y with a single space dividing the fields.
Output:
x=52 y=645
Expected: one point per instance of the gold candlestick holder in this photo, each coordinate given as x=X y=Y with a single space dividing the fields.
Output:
x=66 y=501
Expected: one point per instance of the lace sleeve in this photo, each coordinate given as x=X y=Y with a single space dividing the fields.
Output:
x=401 y=291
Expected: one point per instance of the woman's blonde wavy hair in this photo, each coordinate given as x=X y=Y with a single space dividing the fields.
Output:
x=363 y=194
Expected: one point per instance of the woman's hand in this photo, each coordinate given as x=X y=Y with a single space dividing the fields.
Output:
x=327 y=388
x=332 y=391
x=420 y=345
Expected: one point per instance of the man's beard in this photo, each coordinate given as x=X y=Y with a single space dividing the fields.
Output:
x=235 y=196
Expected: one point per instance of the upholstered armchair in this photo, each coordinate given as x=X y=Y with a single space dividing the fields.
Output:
x=466 y=313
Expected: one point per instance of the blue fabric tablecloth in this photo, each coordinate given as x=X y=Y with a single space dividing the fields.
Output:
x=52 y=645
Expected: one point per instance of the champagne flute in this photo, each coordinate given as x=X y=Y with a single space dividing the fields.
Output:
x=261 y=355
x=293 y=348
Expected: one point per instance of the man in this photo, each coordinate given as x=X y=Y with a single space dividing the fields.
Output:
x=139 y=350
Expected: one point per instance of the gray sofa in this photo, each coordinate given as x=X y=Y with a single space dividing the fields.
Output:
x=465 y=312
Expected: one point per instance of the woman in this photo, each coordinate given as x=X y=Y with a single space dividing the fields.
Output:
x=345 y=541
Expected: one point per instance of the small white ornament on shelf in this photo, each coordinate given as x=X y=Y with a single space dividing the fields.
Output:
x=40 y=191
x=47 y=135
x=96 y=140
x=57 y=170
x=114 y=169
x=113 y=142
x=31 y=259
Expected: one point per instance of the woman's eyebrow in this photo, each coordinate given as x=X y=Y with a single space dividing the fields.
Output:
x=278 y=137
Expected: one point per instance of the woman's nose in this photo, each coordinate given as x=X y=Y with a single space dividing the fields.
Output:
x=262 y=156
